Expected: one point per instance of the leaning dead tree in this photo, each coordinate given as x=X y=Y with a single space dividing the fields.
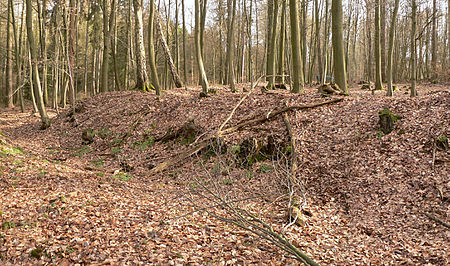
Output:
x=162 y=39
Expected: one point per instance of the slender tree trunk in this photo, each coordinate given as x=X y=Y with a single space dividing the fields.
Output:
x=184 y=43
x=34 y=70
x=282 y=43
x=141 y=66
x=390 y=91
x=198 y=52
x=319 y=52
x=151 y=48
x=434 y=40
x=338 y=45
x=369 y=43
x=378 y=77
x=177 y=53
x=269 y=31
x=303 y=34
x=273 y=44
x=249 y=36
x=230 y=44
x=295 y=47
x=107 y=42
x=9 y=80
x=17 y=52
x=113 y=27
x=325 y=46
x=413 y=49
x=173 y=70
x=129 y=48
x=383 y=39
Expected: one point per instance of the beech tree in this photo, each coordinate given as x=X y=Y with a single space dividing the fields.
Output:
x=83 y=48
x=295 y=43
x=338 y=45
x=34 y=67
x=392 y=33
x=142 y=81
x=378 y=77
x=198 y=51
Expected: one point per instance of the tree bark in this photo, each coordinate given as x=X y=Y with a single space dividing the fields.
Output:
x=173 y=70
x=9 y=84
x=295 y=47
x=338 y=45
x=378 y=77
x=272 y=52
x=282 y=43
x=392 y=33
x=433 y=42
x=184 y=43
x=34 y=68
x=141 y=66
x=151 y=48
x=413 y=48
x=198 y=52
x=231 y=4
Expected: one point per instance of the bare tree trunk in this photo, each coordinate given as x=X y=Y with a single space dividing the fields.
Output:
x=17 y=53
x=282 y=43
x=141 y=66
x=177 y=53
x=249 y=43
x=325 y=46
x=9 y=84
x=378 y=77
x=268 y=42
x=173 y=70
x=390 y=91
x=383 y=39
x=34 y=70
x=198 y=52
x=319 y=52
x=413 y=49
x=231 y=4
x=303 y=34
x=433 y=41
x=86 y=43
x=368 y=43
x=151 y=48
x=107 y=28
x=113 y=24
x=273 y=43
x=184 y=43
x=338 y=45
x=295 y=47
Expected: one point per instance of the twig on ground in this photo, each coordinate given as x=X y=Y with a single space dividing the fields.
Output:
x=434 y=218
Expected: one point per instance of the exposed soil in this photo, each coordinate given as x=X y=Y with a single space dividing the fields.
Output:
x=69 y=201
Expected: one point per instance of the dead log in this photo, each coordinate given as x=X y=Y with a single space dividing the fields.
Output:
x=295 y=215
x=271 y=115
x=188 y=131
x=223 y=132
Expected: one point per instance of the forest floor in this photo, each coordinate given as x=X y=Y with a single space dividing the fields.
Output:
x=368 y=197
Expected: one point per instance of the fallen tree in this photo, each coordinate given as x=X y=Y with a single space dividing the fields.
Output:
x=220 y=133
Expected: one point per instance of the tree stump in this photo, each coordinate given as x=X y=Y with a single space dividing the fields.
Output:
x=442 y=143
x=88 y=136
x=387 y=120
x=187 y=133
